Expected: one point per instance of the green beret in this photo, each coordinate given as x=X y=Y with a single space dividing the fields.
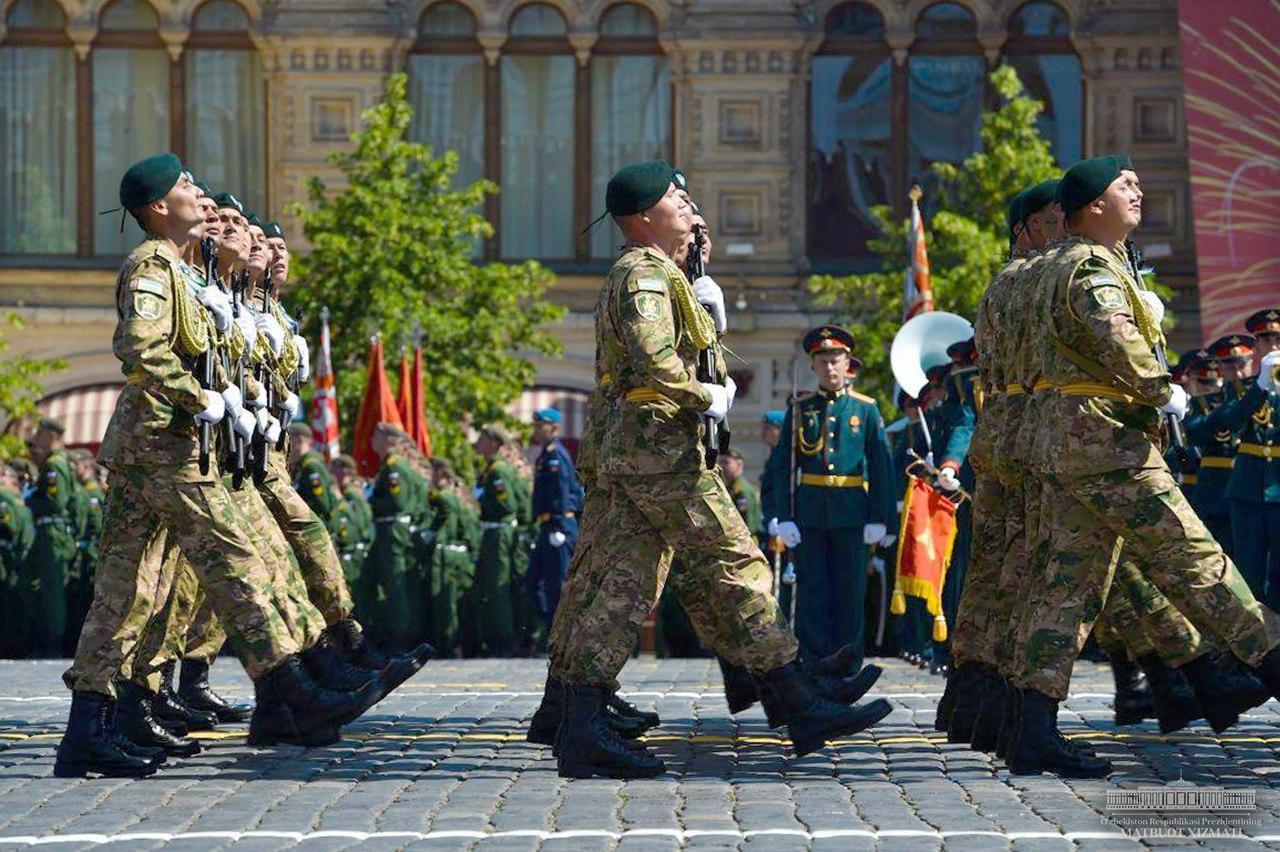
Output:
x=149 y=179
x=1015 y=213
x=253 y=219
x=1039 y=196
x=1088 y=179
x=636 y=188
x=204 y=188
x=226 y=199
x=273 y=230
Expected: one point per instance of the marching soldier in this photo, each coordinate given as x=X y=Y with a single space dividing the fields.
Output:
x=557 y=500
x=660 y=498
x=843 y=502
x=59 y=517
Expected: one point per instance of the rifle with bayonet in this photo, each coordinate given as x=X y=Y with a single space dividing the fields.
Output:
x=715 y=433
x=237 y=452
x=261 y=447
x=1176 y=436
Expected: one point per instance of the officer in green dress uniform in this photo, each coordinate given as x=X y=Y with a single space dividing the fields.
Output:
x=499 y=493
x=351 y=526
x=17 y=534
x=58 y=519
x=452 y=571
x=311 y=477
x=843 y=501
x=744 y=494
x=396 y=500
x=1254 y=487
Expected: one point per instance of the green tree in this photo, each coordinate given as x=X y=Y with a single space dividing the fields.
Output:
x=392 y=253
x=20 y=387
x=967 y=238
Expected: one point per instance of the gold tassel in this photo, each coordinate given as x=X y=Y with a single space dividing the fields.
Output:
x=939 y=628
x=898 y=603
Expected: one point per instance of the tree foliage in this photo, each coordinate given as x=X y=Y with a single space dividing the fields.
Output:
x=967 y=238
x=392 y=253
x=20 y=387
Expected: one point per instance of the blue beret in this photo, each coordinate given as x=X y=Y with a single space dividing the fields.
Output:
x=1088 y=179
x=775 y=418
x=634 y=189
x=547 y=415
x=149 y=179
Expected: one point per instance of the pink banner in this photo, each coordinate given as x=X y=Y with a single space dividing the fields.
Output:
x=1231 y=74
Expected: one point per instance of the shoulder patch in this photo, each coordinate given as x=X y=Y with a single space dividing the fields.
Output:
x=147 y=284
x=649 y=306
x=148 y=306
x=862 y=396
x=652 y=285
x=1105 y=292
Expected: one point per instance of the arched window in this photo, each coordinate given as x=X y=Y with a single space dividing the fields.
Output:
x=1041 y=52
x=447 y=88
x=850 y=132
x=37 y=132
x=946 y=83
x=539 y=88
x=630 y=109
x=131 y=88
x=224 y=120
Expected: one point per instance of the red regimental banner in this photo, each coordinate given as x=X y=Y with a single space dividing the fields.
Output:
x=1231 y=74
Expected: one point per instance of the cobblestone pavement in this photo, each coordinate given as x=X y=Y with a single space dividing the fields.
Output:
x=442 y=764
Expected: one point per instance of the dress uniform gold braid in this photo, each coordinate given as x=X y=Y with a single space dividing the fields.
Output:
x=697 y=322
x=235 y=344
x=289 y=355
x=191 y=325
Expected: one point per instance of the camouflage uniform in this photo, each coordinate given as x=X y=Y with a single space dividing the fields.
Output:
x=151 y=452
x=1111 y=485
x=655 y=496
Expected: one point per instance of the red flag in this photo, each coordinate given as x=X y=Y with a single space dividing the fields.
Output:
x=924 y=552
x=405 y=394
x=378 y=405
x=917 y=296
x=419 y=430
x=324 y=403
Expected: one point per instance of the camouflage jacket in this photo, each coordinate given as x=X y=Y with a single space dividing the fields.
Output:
x=989 y=337
x=154 y=420
x=652 y=401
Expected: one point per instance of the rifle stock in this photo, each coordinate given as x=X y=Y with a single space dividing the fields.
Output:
x=715 y=434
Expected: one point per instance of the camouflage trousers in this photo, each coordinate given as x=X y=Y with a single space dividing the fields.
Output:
x=983 y=616
x=621 y=565
x=1147 y=621
x=201 y=517
x=1084 y=524
x=307 y=535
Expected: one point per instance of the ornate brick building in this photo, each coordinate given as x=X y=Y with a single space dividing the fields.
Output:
x=792 y=119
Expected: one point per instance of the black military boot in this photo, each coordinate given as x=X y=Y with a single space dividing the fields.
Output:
x=88 y=747
x=273 y=722
x=329 y=668
x=546 y=719
x=1133 y=697
x=154 y=754
x=645 y=719
x=168 y=707
x=313 y=707
x=739 y=686
x=135 y=720
x=1223 y=687
x=847 y=690
x=354 y=643
x=1172 y=698
x=1038 y=746
x=588 y=746
x=1009 y=722
x=194 y=690
x=972 y=684
x=989 y=720
x=810 y=718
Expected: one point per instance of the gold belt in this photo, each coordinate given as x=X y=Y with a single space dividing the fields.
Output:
x=1188 y=479
x=1043 y=385
x=1014 y=389
x=644 y=395
x=832 y=480
x=1221 y=462
x=546 y=516
x=1093 y=389
x=1267 y=452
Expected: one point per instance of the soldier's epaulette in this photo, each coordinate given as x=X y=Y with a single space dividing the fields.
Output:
x=862 y=396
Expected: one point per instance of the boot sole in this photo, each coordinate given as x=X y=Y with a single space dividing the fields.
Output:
x=1061 y=773
x=583 y=770
x=870 y=715
x=542 y=738
x=316 y=740
x=63 y=769
x=862 y=683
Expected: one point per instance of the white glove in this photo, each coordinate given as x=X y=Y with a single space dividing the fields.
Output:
x=789 y=575
x=888 y=540
x=259 y=401
x=214 y=407
x=947 y=480
x=234 y=399
x=304 y=357
x=711 y=297
x=219 y=305
x=789 y=533
x=273 y=430
x=269 y=327
x=872 y=533
x=899 y=507
x=1153 y=304
x=262 y=419
x=248 y=330
x=1177 y=404
x=1266 y=370
x=556 y=538
x=721 y=399
x=292 y=406
x=244 y=425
